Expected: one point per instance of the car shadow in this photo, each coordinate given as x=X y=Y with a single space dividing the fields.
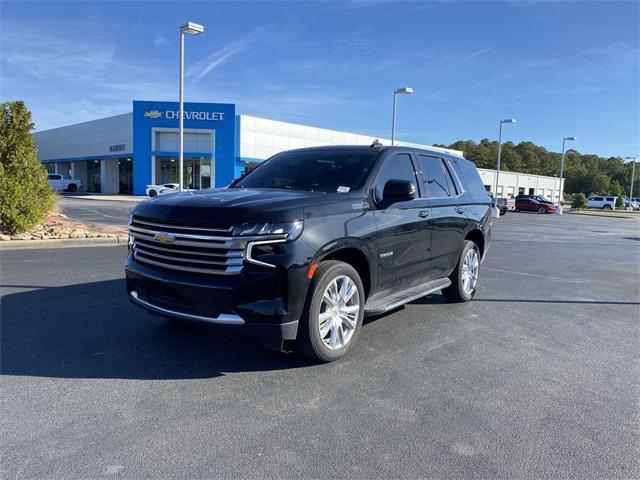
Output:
x=92 y=331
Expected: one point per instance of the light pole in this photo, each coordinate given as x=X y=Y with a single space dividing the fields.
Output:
x=633 y=172
x=396 y=92
x=496 y=210
x=191 y=29
x=559 y=209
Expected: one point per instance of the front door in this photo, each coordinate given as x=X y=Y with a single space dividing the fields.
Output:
x=403 y=237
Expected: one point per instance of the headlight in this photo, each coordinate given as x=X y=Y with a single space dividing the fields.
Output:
x=292 y=229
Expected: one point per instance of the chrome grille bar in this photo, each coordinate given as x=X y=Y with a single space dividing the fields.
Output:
x=167 y=227
x=204 y=250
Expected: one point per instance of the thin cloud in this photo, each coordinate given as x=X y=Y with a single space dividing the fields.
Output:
x=470 y=57
x=218 y=57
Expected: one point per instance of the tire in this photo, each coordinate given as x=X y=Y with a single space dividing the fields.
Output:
x=310 y=342
x=458 y=290
x=503 y=211
x=542 y=210
x=606 y=207
x=152 y=193
x=517 y=210
x=72 y=187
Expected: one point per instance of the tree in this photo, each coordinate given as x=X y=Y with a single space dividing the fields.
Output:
x=579 y=201
x=583 y=173
x=25 y=195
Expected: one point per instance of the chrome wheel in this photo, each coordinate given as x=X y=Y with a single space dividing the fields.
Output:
x=339 y=312
x=470 y=271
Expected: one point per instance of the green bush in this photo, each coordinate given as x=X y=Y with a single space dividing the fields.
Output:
x=25 y=194
x=579 y=201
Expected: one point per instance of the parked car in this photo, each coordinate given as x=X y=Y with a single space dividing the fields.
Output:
x=631 y=204
x=153 y=190
x=301 y=248
x=59 y=183
x=605 y=203
x=534 y=203
x=502 y=204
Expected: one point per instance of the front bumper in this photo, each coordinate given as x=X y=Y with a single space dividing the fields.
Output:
x=262 y=302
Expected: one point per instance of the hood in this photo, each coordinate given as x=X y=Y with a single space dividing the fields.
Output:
x=232 y=206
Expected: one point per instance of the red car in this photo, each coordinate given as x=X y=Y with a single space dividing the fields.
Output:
x=534 y=203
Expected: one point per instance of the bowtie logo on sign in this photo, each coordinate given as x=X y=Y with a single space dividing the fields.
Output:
x=153 y=114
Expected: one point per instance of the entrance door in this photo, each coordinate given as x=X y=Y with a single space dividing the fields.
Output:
x=125 y=171
x=93 y=176
x=191 y=174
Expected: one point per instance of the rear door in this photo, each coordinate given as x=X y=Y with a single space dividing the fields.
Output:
x=448 y=214
x=403 y=234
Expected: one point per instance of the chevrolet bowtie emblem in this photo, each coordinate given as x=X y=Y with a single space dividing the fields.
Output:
x=153 y=114
x=164 y=237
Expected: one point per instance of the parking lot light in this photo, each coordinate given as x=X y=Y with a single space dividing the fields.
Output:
x=496 y=210
x=633 y=172
x=564 y=140
x=188 y=28
x=396 y=92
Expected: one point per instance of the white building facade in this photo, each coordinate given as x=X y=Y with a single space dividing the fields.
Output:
x=124 y=153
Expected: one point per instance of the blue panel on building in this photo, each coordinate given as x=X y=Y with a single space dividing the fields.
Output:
x=219 y=117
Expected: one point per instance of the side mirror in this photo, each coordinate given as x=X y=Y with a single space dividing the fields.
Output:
x=399 y=191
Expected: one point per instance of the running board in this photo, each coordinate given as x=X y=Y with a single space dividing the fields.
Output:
x=397 y=299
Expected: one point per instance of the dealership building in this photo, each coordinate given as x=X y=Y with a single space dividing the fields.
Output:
x=124 y=153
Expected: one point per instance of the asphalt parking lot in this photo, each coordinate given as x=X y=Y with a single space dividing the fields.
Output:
x=538 y=377
x=104 y=212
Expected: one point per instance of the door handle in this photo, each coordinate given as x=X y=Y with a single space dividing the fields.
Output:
x=461 y=209
x=423 y=213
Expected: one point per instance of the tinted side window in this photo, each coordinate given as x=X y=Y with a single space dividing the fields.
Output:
x=470 y=177
x=598 y=199
x=398 y=167
x=609 y=199
x=436 y=183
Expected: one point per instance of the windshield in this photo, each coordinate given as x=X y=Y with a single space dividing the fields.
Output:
x=544 y=199
x=314 y=170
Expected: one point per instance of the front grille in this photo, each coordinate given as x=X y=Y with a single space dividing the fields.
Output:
x=188 y=248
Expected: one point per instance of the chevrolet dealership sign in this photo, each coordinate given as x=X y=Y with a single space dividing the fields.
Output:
x=175 y=114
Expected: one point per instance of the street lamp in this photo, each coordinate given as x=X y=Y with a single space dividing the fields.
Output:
x=396 y=92
x=496 y=210
x=564 y=140
x=189 y=28
x=633 y=172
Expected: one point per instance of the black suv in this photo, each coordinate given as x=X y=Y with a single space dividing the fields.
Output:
x=302 y=247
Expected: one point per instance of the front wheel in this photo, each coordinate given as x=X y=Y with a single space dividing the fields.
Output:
x=542 y=210
x=607 y=207
x=152 y=193
x=464 y=278
x=333 y=314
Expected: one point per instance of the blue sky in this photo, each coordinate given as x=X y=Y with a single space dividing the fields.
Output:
x=559 y=68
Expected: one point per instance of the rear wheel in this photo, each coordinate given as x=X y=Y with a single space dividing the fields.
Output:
x=464 y=278
x=72 y=187
x=152 y=193
x=606 y=207
x=542 y=210
x=333 y=314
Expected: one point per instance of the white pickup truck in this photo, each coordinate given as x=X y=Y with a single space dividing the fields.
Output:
x=58 y=182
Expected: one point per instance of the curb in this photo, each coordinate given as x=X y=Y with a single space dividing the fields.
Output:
x=64 y=243
x=102 y=199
